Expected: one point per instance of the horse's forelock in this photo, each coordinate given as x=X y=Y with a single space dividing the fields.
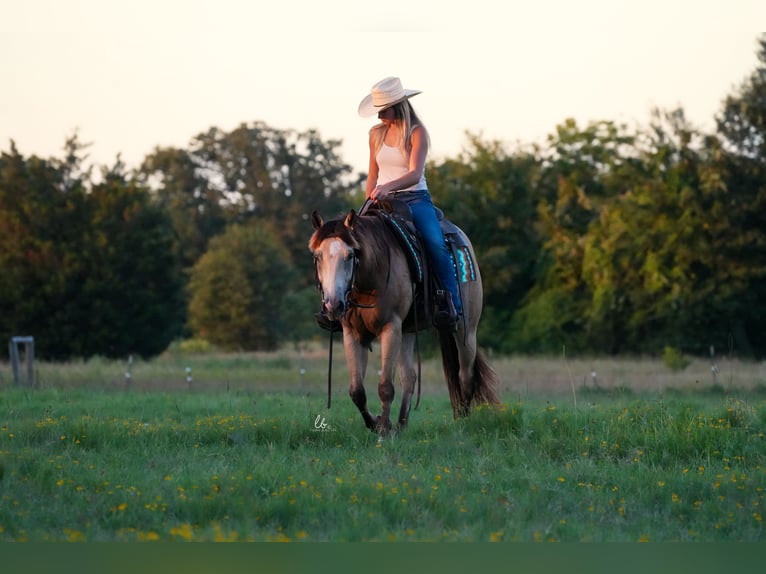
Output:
x=333 y=228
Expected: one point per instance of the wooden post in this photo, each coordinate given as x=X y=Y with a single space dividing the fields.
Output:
x=29 y=358
x=713 y=365
x=13 y=351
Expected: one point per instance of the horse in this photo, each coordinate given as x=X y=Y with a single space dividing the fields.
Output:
x=366 y=283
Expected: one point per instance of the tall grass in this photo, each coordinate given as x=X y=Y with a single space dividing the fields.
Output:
x=306 y=370
x=238 y=455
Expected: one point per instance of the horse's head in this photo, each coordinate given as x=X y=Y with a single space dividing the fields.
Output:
x=335 y=261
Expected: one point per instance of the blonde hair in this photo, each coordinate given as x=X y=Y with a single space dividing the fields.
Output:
x=407 y=120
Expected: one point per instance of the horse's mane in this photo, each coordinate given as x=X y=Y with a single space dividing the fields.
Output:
x=369 y=235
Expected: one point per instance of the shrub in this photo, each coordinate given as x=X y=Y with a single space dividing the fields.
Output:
x=675 y=359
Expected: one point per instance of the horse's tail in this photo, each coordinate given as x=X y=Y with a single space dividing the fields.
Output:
x=481 y=388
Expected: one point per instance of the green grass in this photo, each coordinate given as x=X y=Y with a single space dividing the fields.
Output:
x=236 y=456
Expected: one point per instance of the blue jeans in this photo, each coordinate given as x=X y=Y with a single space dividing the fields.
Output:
x=426 y=222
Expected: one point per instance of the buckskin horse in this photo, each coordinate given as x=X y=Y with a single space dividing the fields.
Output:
x=368 y=283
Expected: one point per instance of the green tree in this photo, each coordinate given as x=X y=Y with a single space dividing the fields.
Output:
x=660 y=255
x=649 y=258
x=254 y=172
x=237 y=289
x=489 y=193
x=85 y=268
x=131 y=298
x=194 y=205
x=297 y=314
x=38 y=201
x=581 y=171
x=741 y=124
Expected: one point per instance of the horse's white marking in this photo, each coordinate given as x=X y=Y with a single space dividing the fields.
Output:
x=335 y=273
x=337 y=247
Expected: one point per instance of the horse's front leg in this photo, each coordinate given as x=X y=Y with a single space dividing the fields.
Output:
x=356 y=359
x=390 y=345
x=407 y=376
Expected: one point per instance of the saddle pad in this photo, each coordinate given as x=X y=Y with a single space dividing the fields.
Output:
x=399 y=219
x=465 y=270
x=408 y=241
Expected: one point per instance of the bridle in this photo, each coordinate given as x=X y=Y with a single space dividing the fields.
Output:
x=348 y=300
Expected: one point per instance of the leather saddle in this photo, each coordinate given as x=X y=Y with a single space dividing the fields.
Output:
x=398 y=216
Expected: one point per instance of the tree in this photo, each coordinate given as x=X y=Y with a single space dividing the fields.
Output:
x=253 y=172
x=742 y=122
x=297 y=315
x=36 y=201
x=86 y=268
x=647 y=263
x=194 y=205
x=237 y=288
x=741 y=165
x=131 y=291
x=489 y=193
x=581 y=171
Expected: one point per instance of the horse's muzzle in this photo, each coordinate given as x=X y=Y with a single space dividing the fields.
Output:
x=334 y=309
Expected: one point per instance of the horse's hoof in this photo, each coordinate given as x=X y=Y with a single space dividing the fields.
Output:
x=371 y=423
x=383 y=428
x=390 y=434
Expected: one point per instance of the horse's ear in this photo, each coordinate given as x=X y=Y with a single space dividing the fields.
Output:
x=316 y=219
x=350 y=219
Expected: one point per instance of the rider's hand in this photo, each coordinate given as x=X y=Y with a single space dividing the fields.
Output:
x=379 y=193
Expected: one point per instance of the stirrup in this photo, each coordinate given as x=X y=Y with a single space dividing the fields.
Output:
x=445 y=315
x=326 y=323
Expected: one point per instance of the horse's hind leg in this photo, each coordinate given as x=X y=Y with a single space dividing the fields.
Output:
x=459 y=360
x=407 y=375
x=466 y=348
x=477 y=379
x=356 y=359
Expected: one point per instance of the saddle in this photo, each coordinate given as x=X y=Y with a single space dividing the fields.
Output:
x=398 y=216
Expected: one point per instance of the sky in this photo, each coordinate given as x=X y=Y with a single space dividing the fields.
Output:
x=131 y=75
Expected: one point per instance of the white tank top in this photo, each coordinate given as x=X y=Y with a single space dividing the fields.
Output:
x=392 y=164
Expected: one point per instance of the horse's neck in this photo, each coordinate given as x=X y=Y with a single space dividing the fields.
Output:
x=376 y=259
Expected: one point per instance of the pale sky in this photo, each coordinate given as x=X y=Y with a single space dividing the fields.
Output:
x=130 y=75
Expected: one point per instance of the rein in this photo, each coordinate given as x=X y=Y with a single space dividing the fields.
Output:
x=329 y=374
x=417 y=341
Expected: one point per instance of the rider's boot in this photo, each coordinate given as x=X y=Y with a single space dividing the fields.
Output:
x=445 y=315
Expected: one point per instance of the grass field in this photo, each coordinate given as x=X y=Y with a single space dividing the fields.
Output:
x=580 y=450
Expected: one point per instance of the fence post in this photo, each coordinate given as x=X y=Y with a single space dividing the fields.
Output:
x=29 y=358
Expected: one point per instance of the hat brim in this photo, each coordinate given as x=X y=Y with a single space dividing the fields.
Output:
x=367 y=109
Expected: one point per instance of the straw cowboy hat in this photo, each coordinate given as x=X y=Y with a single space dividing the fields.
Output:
x=384 y=94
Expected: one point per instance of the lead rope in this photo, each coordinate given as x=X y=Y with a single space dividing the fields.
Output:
x=417 y=341
x=329 y=374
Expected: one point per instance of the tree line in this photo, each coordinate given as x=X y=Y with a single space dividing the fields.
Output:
x=605 y=239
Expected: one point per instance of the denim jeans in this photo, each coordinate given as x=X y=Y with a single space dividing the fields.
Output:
x=426 y=222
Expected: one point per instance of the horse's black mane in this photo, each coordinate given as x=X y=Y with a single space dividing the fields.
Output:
x=370 y=235
x=333 y=228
